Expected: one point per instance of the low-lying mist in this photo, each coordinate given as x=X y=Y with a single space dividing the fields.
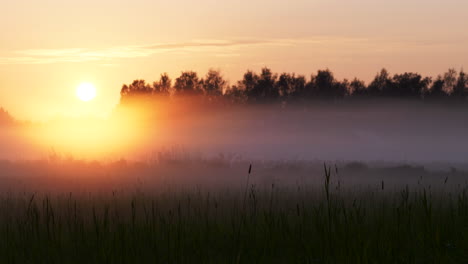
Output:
x=390 y=131
x=215 y=175
x=381 y=182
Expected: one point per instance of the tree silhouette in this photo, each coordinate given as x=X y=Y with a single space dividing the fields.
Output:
x=437 y=89
x=325 y=86
x=269 y=87
x=138 y=88
x=260 y=88
x=163 y=86
x=357 y=87
x=188 y=84
x=407 y=85
x=299 y=85
x=289 y=86
x=450 y=80
x=342 y=89
x=266 y=85
x=249 y=85
x=461 y=86
x=324 y=81
x=380 y=83
x=235 y=94
x=285 y=85
x=214 y=83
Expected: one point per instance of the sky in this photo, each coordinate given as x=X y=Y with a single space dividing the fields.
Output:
x=49 y=47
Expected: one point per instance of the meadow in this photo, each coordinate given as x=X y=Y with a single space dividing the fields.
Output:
x=264 y=131
x=214 y=211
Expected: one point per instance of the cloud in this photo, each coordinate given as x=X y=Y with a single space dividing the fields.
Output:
x=216 y=47
x=47 y=56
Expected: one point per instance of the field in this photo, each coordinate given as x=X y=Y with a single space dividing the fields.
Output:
x=215 y=211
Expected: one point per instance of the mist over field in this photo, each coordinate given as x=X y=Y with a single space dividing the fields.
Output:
x=391 y=131
x=264 y=131
x=386 y=131
x=273 y=169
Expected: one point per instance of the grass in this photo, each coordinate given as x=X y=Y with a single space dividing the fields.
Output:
x=274 y=224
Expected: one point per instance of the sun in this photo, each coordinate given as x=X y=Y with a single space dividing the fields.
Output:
x=86 y=92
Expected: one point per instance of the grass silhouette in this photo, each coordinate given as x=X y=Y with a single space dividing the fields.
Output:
x=302 y=224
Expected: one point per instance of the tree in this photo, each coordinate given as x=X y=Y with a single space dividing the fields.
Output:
x=214 y=83
x=342 y=88
x=248 y=84
x=260 y=87
x=407 y=85
x=124 y=91
x=380 y=83
x=163 y=86
x=138 y=88
x=290 y=86
x=267 y=85
x=299 y=84
x=450 y=80
x=437 y=89
x=357 y=87
x=235 y=94
x=308 y=91
x=460 y=88
x=326 y=86
x=188 y=84
x=285 y=85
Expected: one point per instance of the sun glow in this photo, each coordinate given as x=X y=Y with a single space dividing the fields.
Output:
x=90 y=137
x=86 y=92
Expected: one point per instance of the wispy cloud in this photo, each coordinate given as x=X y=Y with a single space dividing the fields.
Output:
x=215 y=47
x=46 y=56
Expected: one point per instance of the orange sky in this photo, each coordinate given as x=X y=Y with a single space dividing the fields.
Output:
x=49 y=47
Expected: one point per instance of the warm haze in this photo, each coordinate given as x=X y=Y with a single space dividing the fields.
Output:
x=48 y=48
x=247 y=131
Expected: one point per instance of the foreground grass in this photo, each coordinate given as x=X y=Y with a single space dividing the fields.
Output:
x=329 y=224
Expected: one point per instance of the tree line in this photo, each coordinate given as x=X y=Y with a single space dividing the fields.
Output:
x=268 y=86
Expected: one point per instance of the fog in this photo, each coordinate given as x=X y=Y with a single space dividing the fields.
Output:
x=381 y=131
x=391 y=143
x=397 y=132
